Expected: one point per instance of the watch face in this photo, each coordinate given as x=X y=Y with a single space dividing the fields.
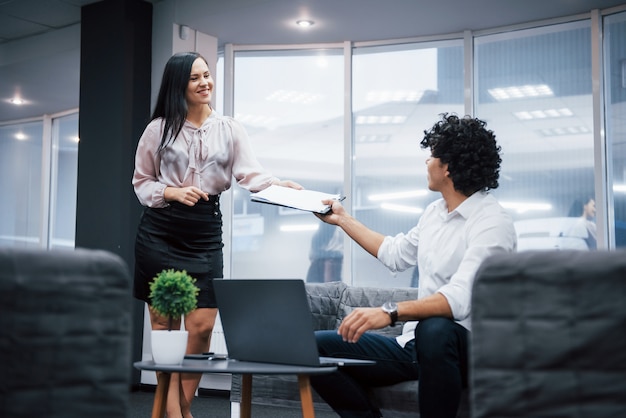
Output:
x=390 y=307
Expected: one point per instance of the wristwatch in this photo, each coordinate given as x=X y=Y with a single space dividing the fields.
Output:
x=391 y=309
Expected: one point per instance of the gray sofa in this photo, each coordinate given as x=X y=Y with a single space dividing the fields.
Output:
x=330 y=303
x=549 y=335
x=65 y=350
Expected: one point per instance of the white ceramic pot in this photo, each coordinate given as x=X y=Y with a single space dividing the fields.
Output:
x=168 y=347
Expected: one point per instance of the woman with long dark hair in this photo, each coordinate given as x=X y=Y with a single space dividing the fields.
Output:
x=188 y=155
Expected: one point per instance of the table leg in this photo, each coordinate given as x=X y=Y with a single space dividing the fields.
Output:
x=160 y=395
x=306 y=396
x=246 y=396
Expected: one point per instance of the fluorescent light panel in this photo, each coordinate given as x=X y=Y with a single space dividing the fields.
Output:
x=619 y=188
x=521 y=92
x=299 y=227
x=380 y=120
x=543 y=114
x=293 y=96
x=398 y=195
x=256 y=120
x=521 y=207
x=568 y=130
x=394 y=96
x=372 y=139
x=401 y=208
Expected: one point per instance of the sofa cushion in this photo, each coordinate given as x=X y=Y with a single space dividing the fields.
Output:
x=324 y=300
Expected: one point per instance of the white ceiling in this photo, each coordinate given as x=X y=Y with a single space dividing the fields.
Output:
x=51 y=81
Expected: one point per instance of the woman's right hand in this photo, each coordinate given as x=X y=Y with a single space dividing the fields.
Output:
x=186 y=195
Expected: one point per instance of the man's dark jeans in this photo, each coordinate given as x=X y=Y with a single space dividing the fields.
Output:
x=438 y=357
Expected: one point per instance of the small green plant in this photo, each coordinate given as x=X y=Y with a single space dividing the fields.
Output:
x=173 y=293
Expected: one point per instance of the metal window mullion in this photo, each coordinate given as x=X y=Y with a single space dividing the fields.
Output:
x=46 y=182
x=468 y=72
x=348 y=151
x=601 y=147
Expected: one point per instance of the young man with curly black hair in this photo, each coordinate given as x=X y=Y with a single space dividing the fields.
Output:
x=451 y=239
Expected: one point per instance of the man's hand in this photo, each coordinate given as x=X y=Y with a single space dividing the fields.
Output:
x=186 y=195
x=334 y=214
x=361 y=320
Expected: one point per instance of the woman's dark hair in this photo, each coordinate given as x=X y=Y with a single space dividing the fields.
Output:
x=469 y=149
x=578 y=205
x=171 y=104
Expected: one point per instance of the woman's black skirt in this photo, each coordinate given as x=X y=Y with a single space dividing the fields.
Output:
x=180 y=237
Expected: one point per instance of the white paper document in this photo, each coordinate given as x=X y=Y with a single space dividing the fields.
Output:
x=307 y=200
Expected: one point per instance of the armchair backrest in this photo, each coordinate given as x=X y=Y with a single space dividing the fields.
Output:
x=66 y=320
x=549 y=335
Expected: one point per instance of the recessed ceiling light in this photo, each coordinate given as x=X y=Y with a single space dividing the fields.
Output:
x=380 y=120
x=520 y=92
x=17 y=101
x=304 y=23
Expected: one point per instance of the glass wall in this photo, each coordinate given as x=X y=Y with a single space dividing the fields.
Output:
x=534 y=89
x=291 y=104
x=615 y=99
x=38 y=177
x=20 y=181
x=533 y=86
x=63 y=179
x=398 y=92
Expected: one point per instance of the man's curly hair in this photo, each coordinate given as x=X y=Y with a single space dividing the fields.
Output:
x=469 y=149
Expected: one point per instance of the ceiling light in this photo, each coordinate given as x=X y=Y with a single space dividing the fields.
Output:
x=299 y=228
x=521 y=207
x=20 y=136
x=305 y=23
x=398 y=195
x=293 y=96
x=394 y=96
x=380 y=120
x=620 y=188
x=520 y=92
x=256 y=120
x=570 y=130
x=17 y=101
x=372 y=139
x=542 y=114
x=401 y=208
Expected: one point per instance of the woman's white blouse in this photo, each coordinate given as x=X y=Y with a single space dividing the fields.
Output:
x=207 y=157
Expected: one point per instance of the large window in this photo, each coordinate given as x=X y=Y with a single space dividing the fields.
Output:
x=398 y=92
x=64 y=178
x=615 y=98
x=533 y=86
x=38 y=177
x=534 y=89
x=20 y=182
x=291 y=104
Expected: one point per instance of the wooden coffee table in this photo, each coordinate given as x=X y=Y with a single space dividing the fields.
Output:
x=245 y=368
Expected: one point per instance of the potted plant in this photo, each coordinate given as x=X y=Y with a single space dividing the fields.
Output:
x=173 y=294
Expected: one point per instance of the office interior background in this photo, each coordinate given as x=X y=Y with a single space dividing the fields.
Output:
x=341 y=109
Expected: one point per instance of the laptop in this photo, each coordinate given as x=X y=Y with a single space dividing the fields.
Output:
x=270 y=321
